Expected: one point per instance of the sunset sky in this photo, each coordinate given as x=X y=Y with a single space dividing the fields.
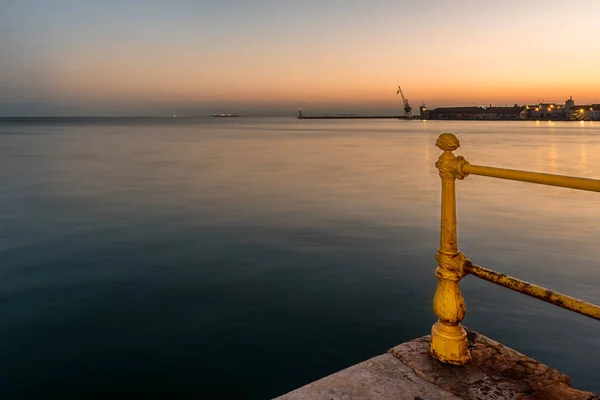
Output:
x=156 y=56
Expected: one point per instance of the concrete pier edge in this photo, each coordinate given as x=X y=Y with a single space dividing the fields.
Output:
x=408 y=372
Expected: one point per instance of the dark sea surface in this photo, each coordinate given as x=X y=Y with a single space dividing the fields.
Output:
x=244 y=257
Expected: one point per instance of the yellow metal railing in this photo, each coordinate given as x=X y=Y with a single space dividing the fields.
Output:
x=448 y=337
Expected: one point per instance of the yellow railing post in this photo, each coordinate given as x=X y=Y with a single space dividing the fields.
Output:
x=448 y=337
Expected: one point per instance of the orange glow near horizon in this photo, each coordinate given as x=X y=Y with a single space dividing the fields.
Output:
x=289 y=55
x=317 y=77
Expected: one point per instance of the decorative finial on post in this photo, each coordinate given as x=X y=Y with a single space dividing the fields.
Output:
x=448 y=337
x=447 y=142
x=448 y=164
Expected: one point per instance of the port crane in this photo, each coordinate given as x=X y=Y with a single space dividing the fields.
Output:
x=407 y=107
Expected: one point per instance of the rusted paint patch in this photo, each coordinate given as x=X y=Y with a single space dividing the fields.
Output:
x=530 y=289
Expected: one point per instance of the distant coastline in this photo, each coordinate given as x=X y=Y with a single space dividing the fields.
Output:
x=569 y=111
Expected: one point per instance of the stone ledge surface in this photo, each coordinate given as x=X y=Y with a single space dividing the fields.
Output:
x=408 y=372
x=381 y=377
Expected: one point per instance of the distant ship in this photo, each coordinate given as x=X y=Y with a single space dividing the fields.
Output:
x=225 y=115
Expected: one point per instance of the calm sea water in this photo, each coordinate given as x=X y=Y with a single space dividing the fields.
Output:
x=242 y=258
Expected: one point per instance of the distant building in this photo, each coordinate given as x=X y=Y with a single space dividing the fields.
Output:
x=547 y=111
x=503 y=113
x=590 y=112
x=567 y=112
x=543 y=111
x=423 y=111
x=551 y=111
x=452 y=113
x=525 y=113
x=478 y=113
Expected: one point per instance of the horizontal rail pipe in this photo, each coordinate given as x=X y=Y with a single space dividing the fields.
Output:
x=571 y=182
x=547 y=295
